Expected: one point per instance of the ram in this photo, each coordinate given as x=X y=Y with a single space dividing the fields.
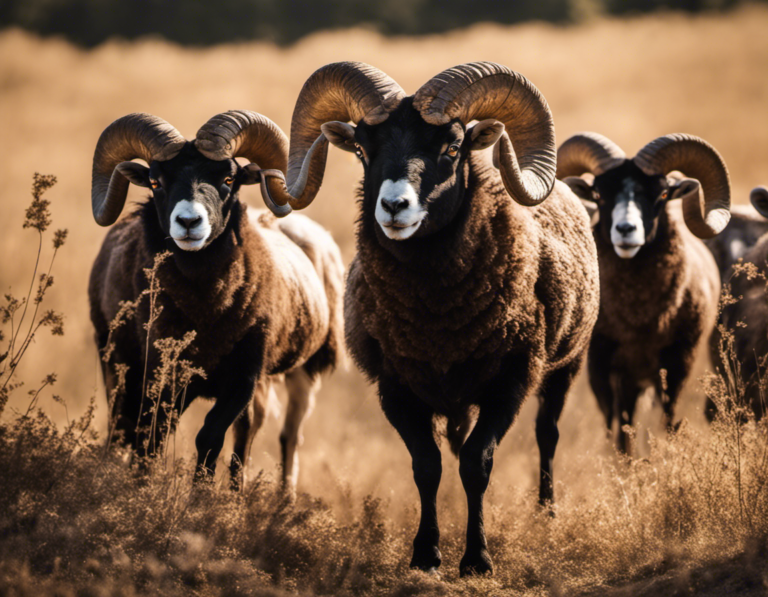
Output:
x=740 y=357
x=469 y=292
x=742 y=232
x=659 y=284
x=263 y=298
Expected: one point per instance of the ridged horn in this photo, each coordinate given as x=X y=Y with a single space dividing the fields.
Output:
x=758 y=197
x=242 y=133
x=345 y=91
x=588 y=152
x=525 y=153
x=705 y=214
x=133 y=136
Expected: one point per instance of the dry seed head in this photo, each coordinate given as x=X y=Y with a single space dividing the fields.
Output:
x=53 y=320
x=59 y=237
x=38 y=215
x=46 y=282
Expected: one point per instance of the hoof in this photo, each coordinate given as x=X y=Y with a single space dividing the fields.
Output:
x=547 y=507
x=288 y=493
x=477 y=564
x=433 y=572
x=204 y=475
x=427 y=560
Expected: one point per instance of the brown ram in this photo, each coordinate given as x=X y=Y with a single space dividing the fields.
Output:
x=469 y=292
x=659 y=284
x=262 y=295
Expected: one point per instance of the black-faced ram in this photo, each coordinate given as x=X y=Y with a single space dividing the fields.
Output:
x=469 y=292
x=659 y=285
x=262 y=295
x=744 y=229
x=740 y=357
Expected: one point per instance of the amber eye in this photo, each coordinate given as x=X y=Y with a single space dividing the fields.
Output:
x=664 y=194
x=153 y=183
x=229 y=180
x=453 y=150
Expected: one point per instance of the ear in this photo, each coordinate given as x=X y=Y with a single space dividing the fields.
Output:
x=759 y=200
x=135 y=173
x=485 y=133
x=682 y=187
x=250 y=174
x=341 y=134
x=580 y=187
x=583 y=190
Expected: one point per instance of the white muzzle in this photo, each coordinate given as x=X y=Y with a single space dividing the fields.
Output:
x=194 y=237
x=406 y=220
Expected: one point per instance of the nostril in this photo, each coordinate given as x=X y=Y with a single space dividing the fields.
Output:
x=394 y=205
x=626 y=227
x=189 y=221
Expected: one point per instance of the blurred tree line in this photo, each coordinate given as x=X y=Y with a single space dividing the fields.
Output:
x=205 y=22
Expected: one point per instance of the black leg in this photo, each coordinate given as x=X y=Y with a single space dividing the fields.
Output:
x=629 y=391
x=552 y=395
x=413 y=420
x=599 y=366
x=677 y=360
x=210 y=438
x=125 y=410
x=497 y=412
x=244 y=429
x=237 y=379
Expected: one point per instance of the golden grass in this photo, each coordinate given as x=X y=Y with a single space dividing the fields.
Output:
x=631 y=80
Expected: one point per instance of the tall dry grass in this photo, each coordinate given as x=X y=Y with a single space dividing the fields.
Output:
x=631 y=80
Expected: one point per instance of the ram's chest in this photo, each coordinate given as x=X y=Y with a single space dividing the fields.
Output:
x=218 y=314
x=446 y=340
x=640 y=306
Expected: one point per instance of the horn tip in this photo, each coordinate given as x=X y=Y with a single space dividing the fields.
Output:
x=718 y=219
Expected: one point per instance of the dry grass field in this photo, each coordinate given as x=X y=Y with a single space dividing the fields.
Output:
x=687 y=519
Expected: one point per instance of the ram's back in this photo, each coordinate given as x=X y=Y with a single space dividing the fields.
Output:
x=310 y=259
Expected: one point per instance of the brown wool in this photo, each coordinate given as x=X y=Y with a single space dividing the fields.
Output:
x=648 y=303
x=251 y=290
x=520 y=279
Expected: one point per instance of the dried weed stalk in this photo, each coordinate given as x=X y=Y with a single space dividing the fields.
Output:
x=165 y=392
x=38 y=217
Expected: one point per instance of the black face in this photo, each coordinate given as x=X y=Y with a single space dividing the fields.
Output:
x=414 y=180
x=629 y=203
x=412 y=171
x=193 y=195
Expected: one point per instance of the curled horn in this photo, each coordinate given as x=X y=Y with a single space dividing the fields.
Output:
x=345 y=91
x=758 y=197
x=706 y=215
x=588 y=152
x=525 y=153
x=242 y=133
x=133 y=136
